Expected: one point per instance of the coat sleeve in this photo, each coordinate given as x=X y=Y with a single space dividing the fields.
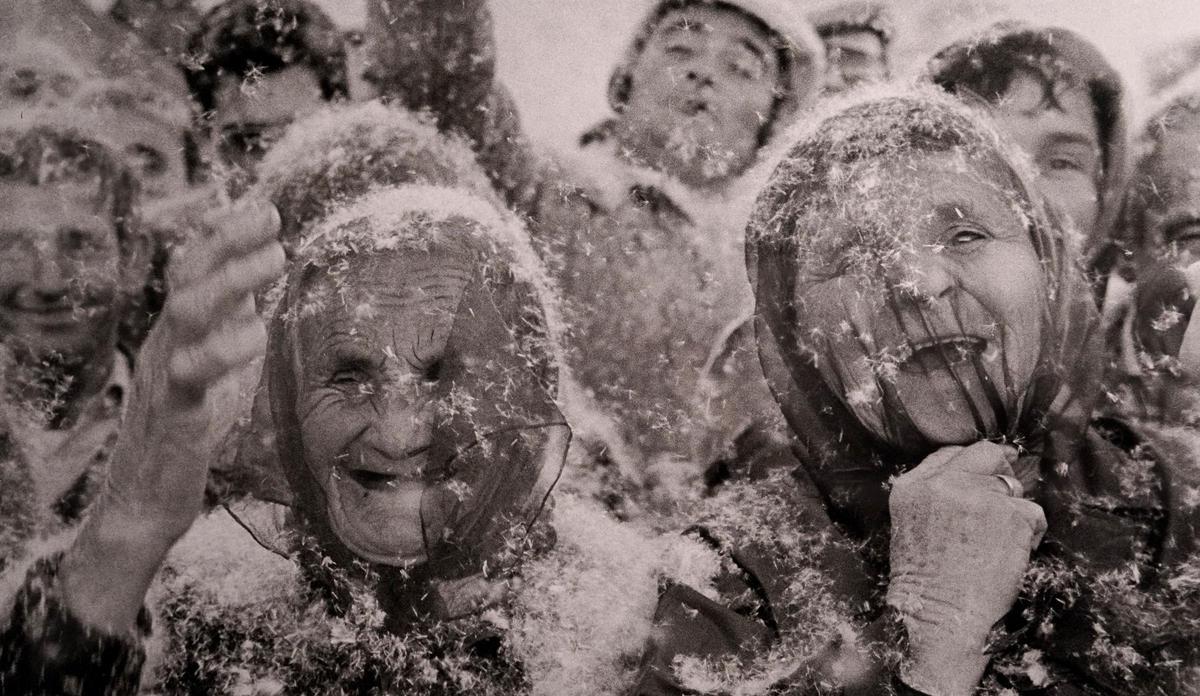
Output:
x=792 y=603
x=46 y=650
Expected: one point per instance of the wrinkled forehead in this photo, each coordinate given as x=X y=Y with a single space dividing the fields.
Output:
x=890 y=204
x=411 y=275
x=1174 y=162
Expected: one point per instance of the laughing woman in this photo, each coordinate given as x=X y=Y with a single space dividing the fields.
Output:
x=412 y=359
x=959 y=519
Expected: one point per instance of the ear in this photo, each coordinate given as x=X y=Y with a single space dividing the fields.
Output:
x=619 y=87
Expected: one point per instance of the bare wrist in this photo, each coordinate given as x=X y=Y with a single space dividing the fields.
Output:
x=106 y=573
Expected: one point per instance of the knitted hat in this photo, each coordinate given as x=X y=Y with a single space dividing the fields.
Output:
x=803 y=74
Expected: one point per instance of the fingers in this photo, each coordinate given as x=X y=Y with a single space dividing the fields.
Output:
x=194 y=308
x=228 y=234
x=986 y=458
x=195 y=366
x=1035 y=517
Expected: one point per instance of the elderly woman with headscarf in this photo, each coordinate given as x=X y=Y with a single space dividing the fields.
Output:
x=412 y=364
x=960 y=518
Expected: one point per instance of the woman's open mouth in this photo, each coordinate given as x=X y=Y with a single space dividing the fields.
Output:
x=376 y=475
x=938 y=352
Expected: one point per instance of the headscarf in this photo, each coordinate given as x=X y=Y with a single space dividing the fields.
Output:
x=498 y=441
x=830 y=168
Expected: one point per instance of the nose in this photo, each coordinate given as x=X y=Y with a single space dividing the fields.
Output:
x=700 y=74
x=925 y=277
x=49 y=284
x=403 y=425
x=835 y=81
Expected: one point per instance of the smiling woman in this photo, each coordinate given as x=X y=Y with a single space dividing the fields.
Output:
x=961 y=517
x=414 y=416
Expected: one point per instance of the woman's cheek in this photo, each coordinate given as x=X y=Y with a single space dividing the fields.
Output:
x=1016 y=293
x=327 y=436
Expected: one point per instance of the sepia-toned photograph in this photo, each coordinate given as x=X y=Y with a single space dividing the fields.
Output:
x=599 y=347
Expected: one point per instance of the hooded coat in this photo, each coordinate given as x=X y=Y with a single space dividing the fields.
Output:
x=1111 y=576
x=649 y=268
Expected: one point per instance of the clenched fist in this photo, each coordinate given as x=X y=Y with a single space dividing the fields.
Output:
x=961 y=543
x=155 y=485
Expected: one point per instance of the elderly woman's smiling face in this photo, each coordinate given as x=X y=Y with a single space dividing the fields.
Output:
x=396 y=347
x=924 y=281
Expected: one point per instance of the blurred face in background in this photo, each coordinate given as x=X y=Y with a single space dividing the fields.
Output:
x=253 y=113
x=60 y=271
x=854 y=58
x=1062 y=138
x=1170 y=184
x=700 y=94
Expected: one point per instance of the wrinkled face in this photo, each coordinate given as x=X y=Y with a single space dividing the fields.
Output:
x=407 y=370
x=1171 y=183
x=942 y=298
x=1062 y=139
x=700 y=93
x=252 y=114
x=854 y=57
x=60 y=271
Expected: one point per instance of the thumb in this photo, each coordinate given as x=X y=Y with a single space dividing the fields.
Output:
x=985 y=458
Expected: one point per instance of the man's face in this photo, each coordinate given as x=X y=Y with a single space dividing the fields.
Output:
x=1062 y=139
x=854 y=57
x=406 y=369
x=701 y=92
x=1172 y=185
x=153 y=150
x=945 y=291
x=253 y=113
x=60 y=271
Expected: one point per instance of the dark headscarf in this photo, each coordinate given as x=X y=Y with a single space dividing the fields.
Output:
x=849 y=461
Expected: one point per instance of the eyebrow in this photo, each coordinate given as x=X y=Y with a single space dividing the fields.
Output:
x=686 y=25
x=1074 y=138
x=953 y=212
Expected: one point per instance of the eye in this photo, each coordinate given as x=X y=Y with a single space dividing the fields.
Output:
x=1059 y=163
x=148 y=160
x=680 y=51
x=1185 y=231
x=348 y=377
x=965 y=237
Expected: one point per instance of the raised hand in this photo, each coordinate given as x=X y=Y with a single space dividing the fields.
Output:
x=154 y=490
x=961 y=541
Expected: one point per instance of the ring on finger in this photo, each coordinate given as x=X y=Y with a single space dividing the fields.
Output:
x=1015 y=489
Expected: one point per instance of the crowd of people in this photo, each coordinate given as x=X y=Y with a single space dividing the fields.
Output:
x=794 y=377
